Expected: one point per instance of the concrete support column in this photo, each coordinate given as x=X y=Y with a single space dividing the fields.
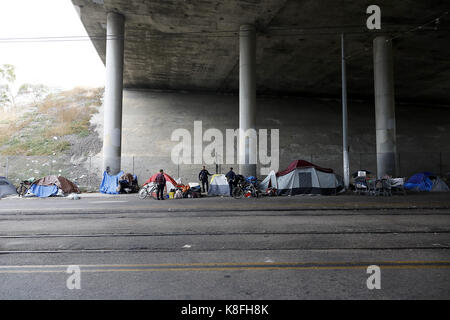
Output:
x=113 y=92
x=384 y=106
x=247 y=100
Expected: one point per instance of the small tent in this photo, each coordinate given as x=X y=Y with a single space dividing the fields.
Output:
x=170 y=182
x=6 y=188
x=51 y=185
x=303 y=177
x=218 y=186
x=425 y=181
x=269 y=182
x=439 y=185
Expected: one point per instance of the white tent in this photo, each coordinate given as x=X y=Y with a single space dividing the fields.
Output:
x=302 y=177
x=219 y=186
x=269 y=182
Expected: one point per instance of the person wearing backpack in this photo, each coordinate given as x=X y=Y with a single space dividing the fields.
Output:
x=203 y=177
x=160 y=181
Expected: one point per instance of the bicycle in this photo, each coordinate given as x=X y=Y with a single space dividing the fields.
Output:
x=148 y=190
x=238 y=192
x=23 y=188
x=245 y=188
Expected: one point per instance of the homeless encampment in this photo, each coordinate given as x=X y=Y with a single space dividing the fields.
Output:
x=53 y=185
x=219 y=186
x=303 y=177
x=6 y=188
x=171 y=184
x=426 y=181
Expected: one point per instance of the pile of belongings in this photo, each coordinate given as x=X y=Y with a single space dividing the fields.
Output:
x=128 y=183
x=363 y=182
x=188 y=192
x=303 y=177
x=195 y=187
x=52 y=186
x=426 y=181
x=359 y=180
x=252 y=180
x=6 y=188
x=119 y=183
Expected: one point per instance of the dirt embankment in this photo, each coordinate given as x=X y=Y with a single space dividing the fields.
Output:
x=62 y=134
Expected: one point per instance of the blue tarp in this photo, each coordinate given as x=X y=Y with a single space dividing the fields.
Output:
x=251 y=179
x=110 y=183
x=43 y=191
x=419 y=182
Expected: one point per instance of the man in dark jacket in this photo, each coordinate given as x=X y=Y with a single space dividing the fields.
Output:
x=203 y=177
x=230 y=178
x=160 y=181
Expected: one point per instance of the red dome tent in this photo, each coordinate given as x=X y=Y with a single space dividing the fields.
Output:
x=302 y=164
x=170 y=182
x=303 y=177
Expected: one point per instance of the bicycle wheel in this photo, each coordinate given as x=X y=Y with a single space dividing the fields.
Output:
x=238 y=193
x=22 y=190
x=153 y=192
x=142 y=193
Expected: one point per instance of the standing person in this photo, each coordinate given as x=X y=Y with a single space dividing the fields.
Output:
x=231 y=176
x=203 y=177
x=161 y=183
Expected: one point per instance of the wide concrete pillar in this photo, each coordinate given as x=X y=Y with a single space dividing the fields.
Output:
x=247 y=100
x=383 y=66
x=113 y=92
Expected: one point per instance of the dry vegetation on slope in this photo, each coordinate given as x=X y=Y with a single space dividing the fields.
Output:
x=51 y=126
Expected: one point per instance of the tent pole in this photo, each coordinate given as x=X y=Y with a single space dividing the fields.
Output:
x=344 y=117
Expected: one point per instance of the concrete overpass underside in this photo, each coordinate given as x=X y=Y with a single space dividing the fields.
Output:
x=194 y=45
x=186 y=54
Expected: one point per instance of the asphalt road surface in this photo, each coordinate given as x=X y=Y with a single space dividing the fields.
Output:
x=280 y=248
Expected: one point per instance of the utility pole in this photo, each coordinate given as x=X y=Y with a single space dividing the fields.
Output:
x=344 y=117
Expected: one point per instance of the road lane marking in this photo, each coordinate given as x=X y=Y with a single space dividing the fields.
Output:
x=108 y=201
x=395 y=262
x=223 y=269
x=229 y=266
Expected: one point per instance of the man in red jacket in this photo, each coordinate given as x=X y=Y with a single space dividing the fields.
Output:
x=160 y=181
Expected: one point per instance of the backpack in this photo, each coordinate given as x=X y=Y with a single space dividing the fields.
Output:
x=178 y=194
x=203 y=175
